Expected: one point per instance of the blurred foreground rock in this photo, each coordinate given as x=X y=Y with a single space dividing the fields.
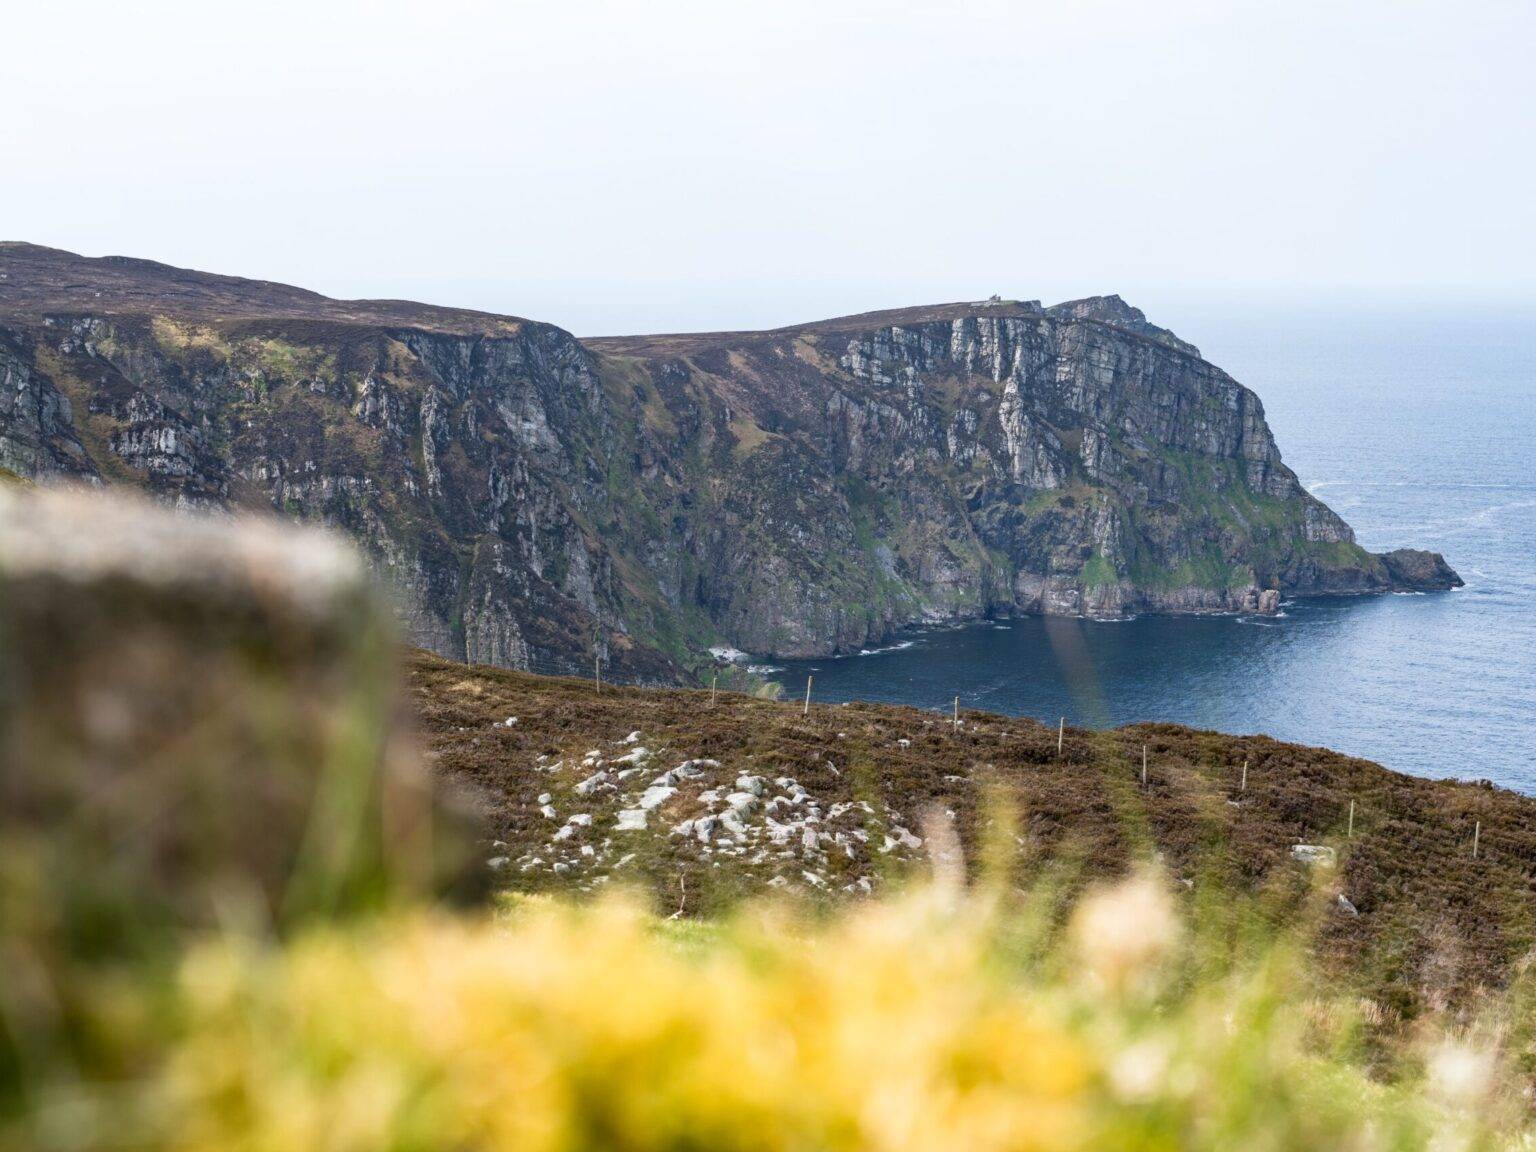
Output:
x=198 y=724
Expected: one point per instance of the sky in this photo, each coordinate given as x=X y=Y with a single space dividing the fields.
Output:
x=659 y=165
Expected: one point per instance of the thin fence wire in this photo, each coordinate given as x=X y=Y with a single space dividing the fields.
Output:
x=588 y=669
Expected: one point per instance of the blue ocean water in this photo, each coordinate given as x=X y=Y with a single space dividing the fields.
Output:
x=1421 y=431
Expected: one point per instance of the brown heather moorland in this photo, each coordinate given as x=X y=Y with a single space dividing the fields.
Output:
x=1432 y=926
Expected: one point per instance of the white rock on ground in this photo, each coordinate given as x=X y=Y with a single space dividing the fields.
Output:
x=741 y=803
x=1313 y=854
x=732 y=823
x=726 y=823
x=655 y=796
x=905 y=838
x=591 y=783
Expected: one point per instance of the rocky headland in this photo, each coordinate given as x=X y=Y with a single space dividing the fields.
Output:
x=537 y=500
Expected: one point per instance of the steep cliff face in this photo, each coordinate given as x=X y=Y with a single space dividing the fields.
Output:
x=539 y=501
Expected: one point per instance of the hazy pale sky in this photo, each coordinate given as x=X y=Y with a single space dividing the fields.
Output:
x=662 y=165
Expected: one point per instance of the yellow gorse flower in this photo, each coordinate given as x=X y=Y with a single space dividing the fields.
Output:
x=916 y=1023
x=584 y=1029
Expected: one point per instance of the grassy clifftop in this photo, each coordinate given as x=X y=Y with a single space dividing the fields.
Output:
x=842 y=802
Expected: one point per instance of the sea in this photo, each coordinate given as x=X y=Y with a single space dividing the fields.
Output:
x=1419 y=428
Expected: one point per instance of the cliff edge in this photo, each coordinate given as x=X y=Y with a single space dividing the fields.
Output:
x=539 y=501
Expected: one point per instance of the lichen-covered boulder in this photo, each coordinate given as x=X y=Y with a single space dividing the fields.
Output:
x=198 y=724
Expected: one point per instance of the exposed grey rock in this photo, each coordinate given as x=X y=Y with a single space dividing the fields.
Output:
x=742 y=803
x=656 y=796
x=1314 y=854
x=632 y=820
x=591 y=783
x=38 y=439
x=1415 y=570
x=954 y=461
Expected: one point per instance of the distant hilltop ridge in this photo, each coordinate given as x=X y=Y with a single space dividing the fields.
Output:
x=539 y=500
x=1100 y=309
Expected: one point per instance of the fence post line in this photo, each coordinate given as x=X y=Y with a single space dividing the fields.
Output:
x=1061 y=730
x=806 y=711
x=714 y=680
x=1351 y=833
x=1244 y=786
x=1477 y=832
x=956 y=722
x=1143 y=765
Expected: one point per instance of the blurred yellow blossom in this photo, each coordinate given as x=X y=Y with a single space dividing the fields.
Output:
x=1123 y=931
x=916 y=1023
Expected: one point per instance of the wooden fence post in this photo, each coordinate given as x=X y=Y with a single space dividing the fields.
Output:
x=1477 y=832
x=1143 y=765
x=1061 y=729
x=807 y=710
